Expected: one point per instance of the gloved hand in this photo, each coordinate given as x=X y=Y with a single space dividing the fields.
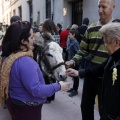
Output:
x=69 y=64
x=65 y=85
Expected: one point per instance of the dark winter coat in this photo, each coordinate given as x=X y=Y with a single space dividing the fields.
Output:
x=110 y=92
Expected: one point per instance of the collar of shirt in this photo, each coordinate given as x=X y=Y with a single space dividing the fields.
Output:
x=99 y=24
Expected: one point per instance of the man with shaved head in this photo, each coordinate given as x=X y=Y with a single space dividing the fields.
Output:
x=93 y=50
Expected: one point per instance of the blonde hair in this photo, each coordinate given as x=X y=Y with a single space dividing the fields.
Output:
x=74 y=26
x=111 y=31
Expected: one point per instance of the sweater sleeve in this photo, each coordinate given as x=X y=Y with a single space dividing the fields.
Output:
x=83 y=51
x=32 y=79
x=96 y=71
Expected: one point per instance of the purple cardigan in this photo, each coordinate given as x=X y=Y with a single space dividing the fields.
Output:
x=27 y=82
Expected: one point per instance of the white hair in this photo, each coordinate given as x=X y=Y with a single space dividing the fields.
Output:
x=112 y=1
x=111 y=31
x=74 y=26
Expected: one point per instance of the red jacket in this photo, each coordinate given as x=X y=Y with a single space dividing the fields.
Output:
x=63 y=38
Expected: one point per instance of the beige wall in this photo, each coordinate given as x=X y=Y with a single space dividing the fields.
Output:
x=1 y=10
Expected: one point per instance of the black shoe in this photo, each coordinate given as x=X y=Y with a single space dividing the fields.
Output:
x=70 y=90
x=73 y=93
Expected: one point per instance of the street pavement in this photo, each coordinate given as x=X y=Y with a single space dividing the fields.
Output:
x=62 y=108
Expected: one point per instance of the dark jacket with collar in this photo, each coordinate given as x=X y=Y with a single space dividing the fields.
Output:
x=110 y=92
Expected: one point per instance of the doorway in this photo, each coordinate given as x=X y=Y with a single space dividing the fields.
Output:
x=77 y=12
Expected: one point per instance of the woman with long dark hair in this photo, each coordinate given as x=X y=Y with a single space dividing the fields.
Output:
x=50 y=27
x=22 y=83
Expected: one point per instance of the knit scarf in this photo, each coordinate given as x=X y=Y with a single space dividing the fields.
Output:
x=5 y=69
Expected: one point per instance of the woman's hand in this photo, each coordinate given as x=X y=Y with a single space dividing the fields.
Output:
x=65 y=85
x=72 y=72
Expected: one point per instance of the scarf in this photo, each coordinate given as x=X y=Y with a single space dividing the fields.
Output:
x=5 y=69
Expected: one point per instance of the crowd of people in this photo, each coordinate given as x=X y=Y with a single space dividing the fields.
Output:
x=89 y=51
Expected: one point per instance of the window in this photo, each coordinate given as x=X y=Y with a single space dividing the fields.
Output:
x=14 y=12
x=48 y=8
x=20 y=11
x=77 y=11
x=30 y=10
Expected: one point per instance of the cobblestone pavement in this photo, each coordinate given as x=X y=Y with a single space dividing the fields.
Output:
x=62 y=108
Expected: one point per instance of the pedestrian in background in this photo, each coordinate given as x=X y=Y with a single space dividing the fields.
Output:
x=63 y=41
x=40 y=27
x=92 y=47
x=82 y=29
x=73 y=27
x=14 y=19
x=72 y=48
x=74 y=90
x=50 y=27
x=59 y=28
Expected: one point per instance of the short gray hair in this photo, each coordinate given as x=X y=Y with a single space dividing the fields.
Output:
x=74 y=26
x=112 y=1
x=111 y=31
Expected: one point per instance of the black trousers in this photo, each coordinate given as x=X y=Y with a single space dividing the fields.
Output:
x=65 y=54
x=91 y=88
x=76 y=80
x=24 y=112
x=75 y=83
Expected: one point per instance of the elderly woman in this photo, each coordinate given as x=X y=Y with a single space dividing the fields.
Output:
x=22 y=83
x=109 y=70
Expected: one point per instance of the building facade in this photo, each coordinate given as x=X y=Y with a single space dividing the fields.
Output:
x=65 y=12
x=0 y=11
